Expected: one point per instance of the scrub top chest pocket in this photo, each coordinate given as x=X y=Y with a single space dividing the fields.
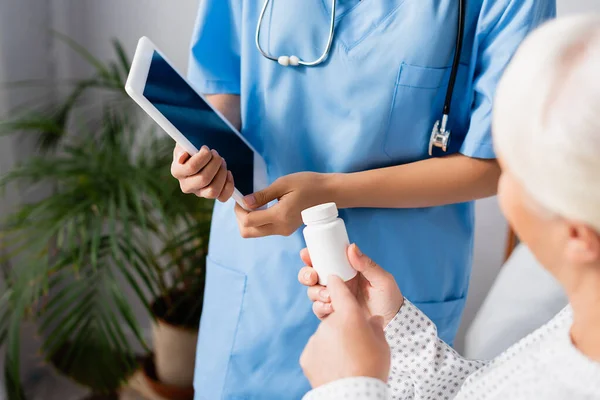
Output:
x=417 y=102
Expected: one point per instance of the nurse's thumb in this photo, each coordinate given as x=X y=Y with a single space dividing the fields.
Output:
x=364 y=265
x=264 y=197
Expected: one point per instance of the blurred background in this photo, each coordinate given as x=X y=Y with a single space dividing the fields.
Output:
x=142 y=262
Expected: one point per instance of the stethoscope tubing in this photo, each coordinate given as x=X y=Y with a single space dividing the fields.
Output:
x=314 y=63
x=440 y=136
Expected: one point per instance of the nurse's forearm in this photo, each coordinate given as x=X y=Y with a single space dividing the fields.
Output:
x=229 y=106
x=428 y=183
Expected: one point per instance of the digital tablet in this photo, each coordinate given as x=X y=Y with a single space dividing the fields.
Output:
x=185 y=115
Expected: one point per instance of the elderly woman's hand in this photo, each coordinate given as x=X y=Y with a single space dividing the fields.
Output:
x=348 y=343
x=375 y=288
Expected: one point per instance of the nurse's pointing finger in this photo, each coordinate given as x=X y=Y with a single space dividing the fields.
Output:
x=261 y=217
x=248 y=219
x=258 y=232
x=249 y=231
x=267 y=195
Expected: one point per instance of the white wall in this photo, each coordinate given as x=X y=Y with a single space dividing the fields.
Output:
x=95 y=23
x=24 y=54
x=490 y=236
x=566 y=7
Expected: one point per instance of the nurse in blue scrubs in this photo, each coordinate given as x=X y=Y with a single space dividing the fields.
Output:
x=355 y=130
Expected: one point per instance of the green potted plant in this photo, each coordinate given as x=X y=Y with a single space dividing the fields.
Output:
x=113 y=218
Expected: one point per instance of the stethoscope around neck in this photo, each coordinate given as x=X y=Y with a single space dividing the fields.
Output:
x=440 y=135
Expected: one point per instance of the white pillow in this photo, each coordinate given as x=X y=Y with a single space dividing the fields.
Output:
x=523 y=297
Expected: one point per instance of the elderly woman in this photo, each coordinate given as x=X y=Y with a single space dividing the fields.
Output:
x=547 y=136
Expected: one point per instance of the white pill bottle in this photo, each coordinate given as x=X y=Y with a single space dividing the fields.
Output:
x=327 y=242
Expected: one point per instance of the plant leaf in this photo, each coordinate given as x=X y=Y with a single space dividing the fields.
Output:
x=84 y=53
x=122 y=56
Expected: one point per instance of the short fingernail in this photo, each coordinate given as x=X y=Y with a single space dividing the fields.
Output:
x=327 y=306
x=358 y=252
x=180 y=157
x=203 y=148
x=215 y=152
x=250 y=200
x=307 y=276
x=229 y=176
x=224 y=163
x=324 y=294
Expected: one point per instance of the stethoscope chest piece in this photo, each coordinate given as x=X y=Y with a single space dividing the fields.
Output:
x=440 y=136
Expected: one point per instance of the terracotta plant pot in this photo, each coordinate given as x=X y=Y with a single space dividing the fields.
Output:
x=174 y=346
x=174 y=353
x=162 y=389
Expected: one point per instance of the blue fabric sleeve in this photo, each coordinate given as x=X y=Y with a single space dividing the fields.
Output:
x=214 y=65
x=501 y=28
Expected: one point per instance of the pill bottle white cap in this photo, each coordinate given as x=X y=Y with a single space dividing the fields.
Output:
x=319 y=213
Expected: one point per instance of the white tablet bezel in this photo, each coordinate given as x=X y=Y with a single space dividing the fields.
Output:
x=136 y=82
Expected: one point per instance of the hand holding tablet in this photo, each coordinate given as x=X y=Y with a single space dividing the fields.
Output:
x=192 y=122
x=204 y=174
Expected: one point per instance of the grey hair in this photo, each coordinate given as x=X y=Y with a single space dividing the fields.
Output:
x=547 y=117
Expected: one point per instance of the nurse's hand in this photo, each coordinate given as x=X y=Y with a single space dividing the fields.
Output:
x=294 y=193
x=204 y=174
x=349 y=343
x=375 y=288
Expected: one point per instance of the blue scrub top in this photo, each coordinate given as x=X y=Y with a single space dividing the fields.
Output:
x=372 y=104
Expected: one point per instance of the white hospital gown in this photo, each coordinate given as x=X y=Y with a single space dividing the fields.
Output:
x=544 y=365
